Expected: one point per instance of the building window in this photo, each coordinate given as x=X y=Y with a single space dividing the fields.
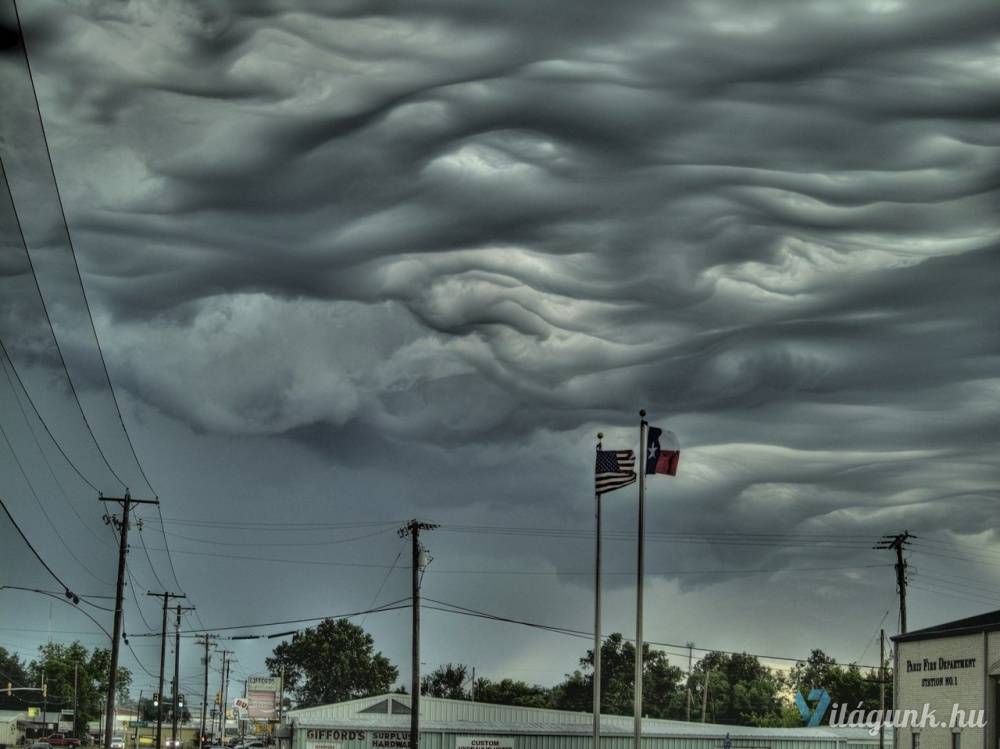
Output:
x=956 y=740
x=914 y=741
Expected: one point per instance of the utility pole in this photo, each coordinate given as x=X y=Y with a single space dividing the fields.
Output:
x=177 y=672
x=76 y=683
x=418 y=564
x=224 y=693
x=206 y=640
x=704 y=698
x=122 y=526
x=163 y=654
x=138 y=719
x=898 y=542
x=881 y=688
x=690 y=647
x=281 y=697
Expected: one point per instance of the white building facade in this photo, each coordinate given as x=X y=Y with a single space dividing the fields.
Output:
x=948 y=675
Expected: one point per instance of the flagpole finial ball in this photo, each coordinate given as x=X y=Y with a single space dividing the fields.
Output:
x=642 y=411
x=600 y=435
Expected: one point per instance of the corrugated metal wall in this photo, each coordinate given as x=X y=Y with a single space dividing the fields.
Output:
x=446 y=740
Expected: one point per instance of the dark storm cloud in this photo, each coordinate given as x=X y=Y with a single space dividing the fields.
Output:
x=473 y=229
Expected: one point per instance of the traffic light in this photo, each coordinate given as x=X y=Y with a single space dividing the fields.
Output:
x=218 y=698
x=10 y=689
x=156 y=699
x=180 y=700
x=45 y=689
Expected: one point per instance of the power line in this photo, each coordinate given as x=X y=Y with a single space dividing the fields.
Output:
x=41 y=452
x=465 y=611
x=34 y=408
x=48 y=320
x=330 y=542
x=384 y=607
x=72 y=248
x=479 y=571
x=45 y=513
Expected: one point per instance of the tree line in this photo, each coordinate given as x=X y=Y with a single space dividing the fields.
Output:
x=337 y=661
x=60 y=665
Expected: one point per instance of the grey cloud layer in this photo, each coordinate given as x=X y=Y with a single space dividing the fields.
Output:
x=773 y=221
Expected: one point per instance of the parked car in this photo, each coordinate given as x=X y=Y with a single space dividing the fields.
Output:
x=117 y=742
x=173 y=743
x=60 y=739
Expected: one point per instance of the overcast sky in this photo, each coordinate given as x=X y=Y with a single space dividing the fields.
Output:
x=356 y=262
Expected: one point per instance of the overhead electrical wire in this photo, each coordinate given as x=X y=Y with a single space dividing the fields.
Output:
x=383 y=607
x=72 y=248
x=45 y=514
x=38 y=415
x=45 y=459
x=48 y=320
x=330 y=542
x=83 y=291
x=466 y=611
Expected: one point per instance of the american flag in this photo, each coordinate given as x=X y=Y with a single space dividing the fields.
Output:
x=613 y=470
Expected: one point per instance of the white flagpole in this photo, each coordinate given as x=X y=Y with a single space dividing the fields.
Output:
x=597 y=617
x=640 y=573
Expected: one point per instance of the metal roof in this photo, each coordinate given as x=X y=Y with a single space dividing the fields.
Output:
x=988 y=622
x=463 y=716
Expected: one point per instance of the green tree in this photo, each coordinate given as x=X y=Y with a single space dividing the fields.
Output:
x=58 y=661
x=511 y=692
x=446 y=681
x=741 y=690
x=11 y=670
x=661 y=681
x=332 y=662
x=845 y=684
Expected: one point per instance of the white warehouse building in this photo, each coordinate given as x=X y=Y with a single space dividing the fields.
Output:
x=383 y=722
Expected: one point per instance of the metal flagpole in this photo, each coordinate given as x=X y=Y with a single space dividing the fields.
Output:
x=597 y=617
x=640 y=567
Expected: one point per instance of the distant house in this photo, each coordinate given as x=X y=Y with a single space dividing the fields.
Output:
x=10 y=728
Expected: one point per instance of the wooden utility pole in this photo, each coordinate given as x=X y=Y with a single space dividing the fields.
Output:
x=704 y=698
x=690 y=647
x=76 y=700
x=177 y=673
x=206 y=641
x=227 y=665
x=158 y=697
x=418 y=563
x=881 y=688
x=898 y=542
x=122 y=526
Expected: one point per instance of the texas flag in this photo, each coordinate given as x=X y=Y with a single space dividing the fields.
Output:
x=662 y=452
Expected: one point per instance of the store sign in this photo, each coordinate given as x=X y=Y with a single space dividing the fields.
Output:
x=333 y=734
x=262 y=697
x=484 y=742
x=263 y=683
x=390 y=739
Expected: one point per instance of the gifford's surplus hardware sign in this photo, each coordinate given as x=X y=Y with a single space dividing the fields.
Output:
x=332 y=738
x=262 y=696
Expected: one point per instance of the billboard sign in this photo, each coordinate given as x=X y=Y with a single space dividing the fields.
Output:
x=262 y=697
